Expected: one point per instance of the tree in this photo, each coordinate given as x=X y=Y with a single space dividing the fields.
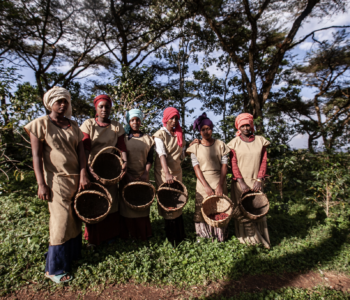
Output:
x=251 y=34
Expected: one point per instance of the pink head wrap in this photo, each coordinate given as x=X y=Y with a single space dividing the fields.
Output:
x=167 y=115
x=244 y=119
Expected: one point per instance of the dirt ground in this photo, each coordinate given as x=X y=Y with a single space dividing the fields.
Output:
x=212 y=289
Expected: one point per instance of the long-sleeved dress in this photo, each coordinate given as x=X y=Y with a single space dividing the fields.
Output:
x=248 y=162
x=62 y=174
x=210 y=160
x=166 y=144
x=136 y=224
x=96 y=137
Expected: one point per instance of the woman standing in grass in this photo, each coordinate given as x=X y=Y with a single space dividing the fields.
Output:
x=209 y=160
x=101 y=132
x=249 y=163
x=169 y=145
x=60 y=169
x=140 y=146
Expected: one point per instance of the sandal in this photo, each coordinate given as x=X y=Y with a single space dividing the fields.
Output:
x=57 y=278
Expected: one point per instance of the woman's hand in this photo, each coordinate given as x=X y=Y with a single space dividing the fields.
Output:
x=244 y=187
x=93 y=174
x=144 y=177
x=169 y=178
x=196 y=141
x=84 y=180
x=209 y=191
x=44 y=192
x=124 y=168
x=219 y=190
x=257 y=186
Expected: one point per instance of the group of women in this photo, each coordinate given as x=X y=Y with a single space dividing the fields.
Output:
x=63 y=152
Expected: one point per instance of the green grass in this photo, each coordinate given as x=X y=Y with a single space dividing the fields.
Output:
x=302 y=239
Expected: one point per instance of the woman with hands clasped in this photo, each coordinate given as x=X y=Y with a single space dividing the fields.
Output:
x=101 y=132
x=209 y=160
x=170 y=146
x=60 y=169
x=249 y=163
x=140 y=146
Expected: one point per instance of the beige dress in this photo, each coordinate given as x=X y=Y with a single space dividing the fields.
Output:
x=62 y=174
x=137 y=151
x=209 y=159
x=174 y=159
x=248 y=160
x=102 y=137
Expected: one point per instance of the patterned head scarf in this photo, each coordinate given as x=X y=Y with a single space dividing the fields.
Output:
x=244 y=119
x=167 y=115
x=201 y=121
x=55 y=94
x=129 y=115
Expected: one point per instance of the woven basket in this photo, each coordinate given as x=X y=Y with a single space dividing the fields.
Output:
x=139 y=195
x=93 y=205
x=254 y=205
x=215 y=204
x=176 y=185
x=108 y=166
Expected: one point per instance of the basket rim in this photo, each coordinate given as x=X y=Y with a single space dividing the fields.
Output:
x=104 y=180
x=173 y=190
x=91 y=219
x=107 y=192
x=140 y=206
x=207 y=219
x=247 y=213
x=185 y=188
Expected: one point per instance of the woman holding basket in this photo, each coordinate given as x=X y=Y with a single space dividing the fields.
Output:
x=249 y=163
x=60 y=169
x=209 y=160
x=140 y=148
x=170 y=146
x=101 y=132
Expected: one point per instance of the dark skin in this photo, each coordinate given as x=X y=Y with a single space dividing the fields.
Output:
x=170 y=126
x=135 y=124
x=44 y=193
x=103 y=111
x=245 y=134
x=207 y=140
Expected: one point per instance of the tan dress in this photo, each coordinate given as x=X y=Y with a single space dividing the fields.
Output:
x=61 y=171
x=102 y=137
x=174 y=158
x=137 y=151
x=209 y=159
x=248 y=160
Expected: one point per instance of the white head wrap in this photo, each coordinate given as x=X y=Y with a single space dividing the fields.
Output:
x=55 y=94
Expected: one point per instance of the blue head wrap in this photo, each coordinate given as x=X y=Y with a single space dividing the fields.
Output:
x=129 y=115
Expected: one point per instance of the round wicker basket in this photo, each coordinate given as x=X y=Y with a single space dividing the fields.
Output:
x=176 y=185
x=108 y=166
x=92 y=206
x=139 y=195
x=215 y=204
x=254 y=205
x=171 y=200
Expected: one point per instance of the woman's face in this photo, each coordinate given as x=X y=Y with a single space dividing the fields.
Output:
x=173 y=122
x=245 y=129
x=60 y=106
x=103 y=109
x=135 y=123
x=206 y=132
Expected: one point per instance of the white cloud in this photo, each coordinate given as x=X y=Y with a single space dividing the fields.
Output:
x=305 y=46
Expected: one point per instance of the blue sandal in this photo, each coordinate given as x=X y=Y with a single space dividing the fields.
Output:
x=57 y=278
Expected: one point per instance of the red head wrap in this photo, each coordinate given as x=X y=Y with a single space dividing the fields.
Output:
x=244 y=119
x=167 y=115
x=100 y=98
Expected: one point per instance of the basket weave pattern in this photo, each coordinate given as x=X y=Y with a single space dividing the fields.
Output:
x=254 y=206
x=109 y=164
x=216 y=204
x=141 y=203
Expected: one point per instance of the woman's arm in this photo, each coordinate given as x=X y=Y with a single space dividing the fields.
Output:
x=220 y=188
x=168 y=177
x=262 y=171
x=84 y=178
x=145 y=175
x=37 y=152
x=236 y=173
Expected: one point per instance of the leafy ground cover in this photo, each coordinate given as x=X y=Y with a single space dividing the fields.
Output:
x=302 y=238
